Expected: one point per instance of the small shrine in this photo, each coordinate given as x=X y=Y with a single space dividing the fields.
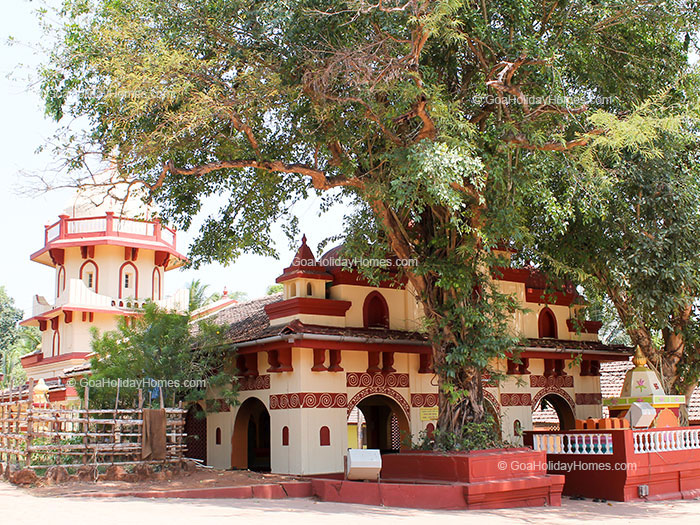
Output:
x=642 y=385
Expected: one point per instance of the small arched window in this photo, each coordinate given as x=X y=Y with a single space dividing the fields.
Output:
x=128 y=281
x=293 y=290
x=56 y=344
x=547 y=324
x=375 y=311
x=325 y=436
x=60 y=281
x=156 y=289
x=285 y=436
x=89 y=274
x=218 y=435
x=517 y=428
x=309 y=290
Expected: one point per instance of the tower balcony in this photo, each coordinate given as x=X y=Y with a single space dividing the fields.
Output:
x=79 y=298
x=107 y=230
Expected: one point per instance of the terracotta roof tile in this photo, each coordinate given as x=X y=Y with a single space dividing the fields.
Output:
x=563 y=344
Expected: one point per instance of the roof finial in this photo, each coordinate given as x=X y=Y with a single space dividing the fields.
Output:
x=639 y=360
x=303 y=239
x=225 y=292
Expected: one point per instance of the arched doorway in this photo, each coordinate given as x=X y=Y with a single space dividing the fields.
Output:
x=196 y=430
x=250 y=443
x=384 y=424
x=553 y=412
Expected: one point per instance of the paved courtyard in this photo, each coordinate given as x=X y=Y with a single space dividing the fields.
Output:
x=19 y=507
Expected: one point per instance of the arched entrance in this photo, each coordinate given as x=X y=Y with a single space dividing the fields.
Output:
x=196 y=430
x=250 y=443
x=383 y=422
x=553 y=412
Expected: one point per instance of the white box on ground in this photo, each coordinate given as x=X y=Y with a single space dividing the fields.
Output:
x=641 y=415
x=363 y=464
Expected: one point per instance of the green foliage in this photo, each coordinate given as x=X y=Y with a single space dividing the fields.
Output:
x=274 y=288
x=15 y=341
x=450 y=126
x=472 y=436
x=638 y=244
x=159 y=350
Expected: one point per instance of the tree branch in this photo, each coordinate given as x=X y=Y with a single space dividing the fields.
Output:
x=318 y=177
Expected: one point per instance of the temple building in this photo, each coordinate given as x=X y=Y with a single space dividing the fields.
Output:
x=108 y=256
x=333 y=362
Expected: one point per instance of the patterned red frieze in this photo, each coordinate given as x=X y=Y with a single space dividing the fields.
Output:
x=254 y=383
x=373 y=390
x=308 y=400
x=559 y=381
x=554 y=390
x=591 y=398
x=364 y=380
x=488 y=396
x=516 y=400
x=424 y=400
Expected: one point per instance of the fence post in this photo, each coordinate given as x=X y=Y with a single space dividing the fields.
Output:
x=86 y=424
x=29 y=438
x=140 y=428
x=115 y=435
x=9 y=428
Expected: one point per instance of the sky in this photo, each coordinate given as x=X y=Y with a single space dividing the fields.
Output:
x=22 y=217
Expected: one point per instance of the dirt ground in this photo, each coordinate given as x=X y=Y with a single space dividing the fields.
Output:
x=20 y=506
x=199 y=479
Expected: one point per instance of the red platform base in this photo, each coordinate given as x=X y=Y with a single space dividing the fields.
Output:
x=488 y=479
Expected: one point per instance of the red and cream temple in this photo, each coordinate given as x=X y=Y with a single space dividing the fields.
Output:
x=108 y=260
x=331 y=362
x=331 y=344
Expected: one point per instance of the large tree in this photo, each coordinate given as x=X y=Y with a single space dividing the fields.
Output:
x=640 y=248
x=15 y=341
x=435 y=115
x=160 y=352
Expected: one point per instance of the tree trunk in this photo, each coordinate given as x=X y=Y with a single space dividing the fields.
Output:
x=453 y=416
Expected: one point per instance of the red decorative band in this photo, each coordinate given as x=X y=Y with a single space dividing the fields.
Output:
x=589 y=399
x=516 y=400
x=543 y=381
x=424 y=400
x=308 y=400
x=254 y=383
x=365 y=380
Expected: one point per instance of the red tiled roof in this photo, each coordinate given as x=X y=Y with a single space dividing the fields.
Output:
x=563 y=344
x=248 y=321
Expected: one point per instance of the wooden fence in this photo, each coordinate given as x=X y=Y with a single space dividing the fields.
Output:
x=37 y=436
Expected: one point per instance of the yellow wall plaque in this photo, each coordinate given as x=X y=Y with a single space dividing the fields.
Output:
x=428 y=413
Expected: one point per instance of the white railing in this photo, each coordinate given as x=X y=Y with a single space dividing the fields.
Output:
x=77 y=294
x=134 y=227
x=168 y=236
x=573 y=443
x=86 y=225
x=53 y=232
x=666 y=440
x=40 y=305
x=179 y=301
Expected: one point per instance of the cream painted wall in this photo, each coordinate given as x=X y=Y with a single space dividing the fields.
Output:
x=219 y=456
x=109 y=260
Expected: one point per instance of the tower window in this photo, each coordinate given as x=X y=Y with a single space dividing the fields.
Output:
x=547 y=324
x=127 y=280
x=309 y=291
x=90 y=280
x=375 y=311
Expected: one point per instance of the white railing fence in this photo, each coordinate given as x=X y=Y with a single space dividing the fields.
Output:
x=666 y=440
x=573 y=443
x=86 y=225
